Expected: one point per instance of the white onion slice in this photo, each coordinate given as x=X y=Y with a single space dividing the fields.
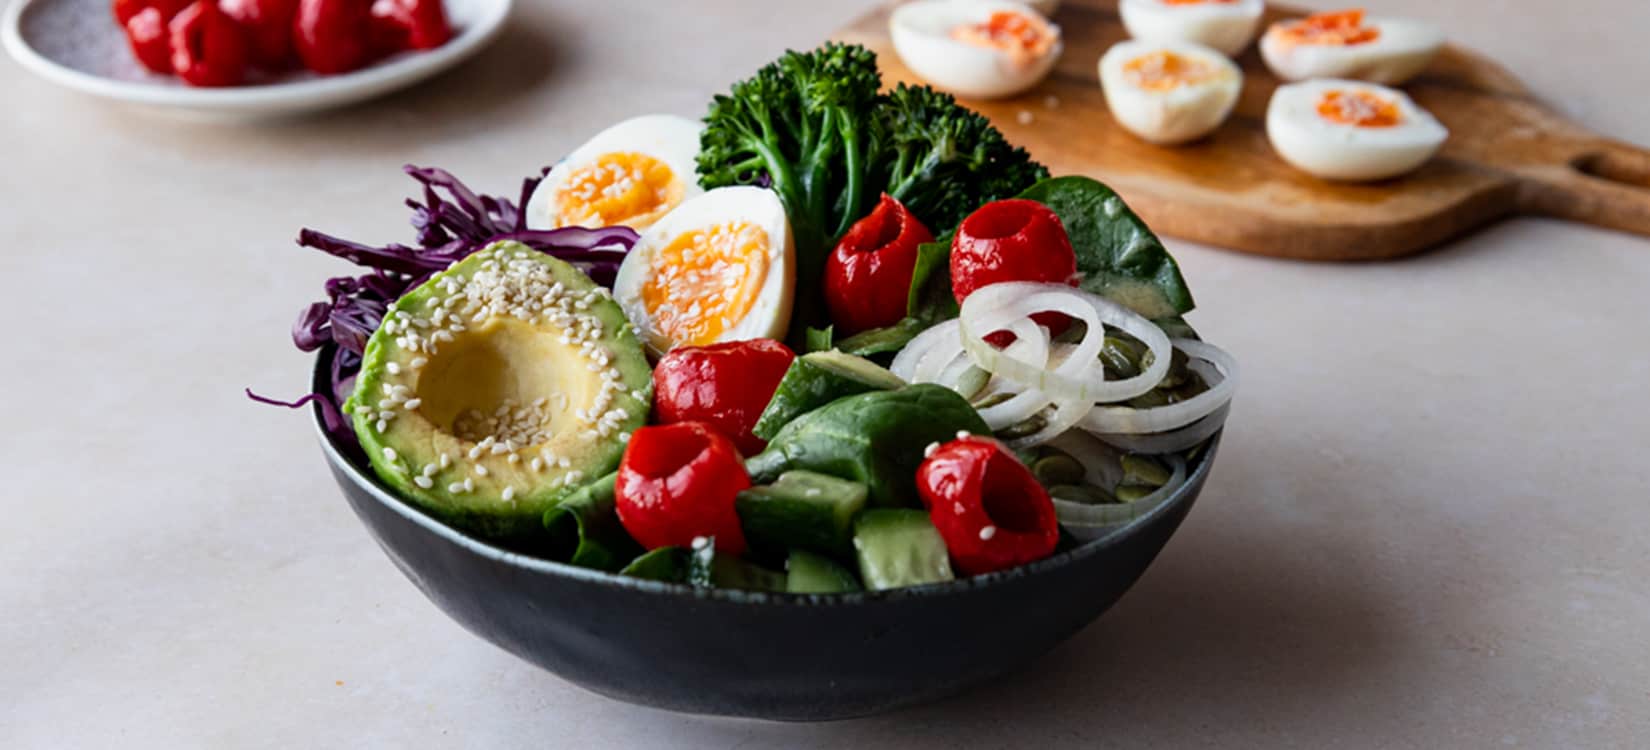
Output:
x=918 y=349
x=1080 y=377
x=1102 y=464
x=1089 y=522
x=1168 y=442
x=1130 y=421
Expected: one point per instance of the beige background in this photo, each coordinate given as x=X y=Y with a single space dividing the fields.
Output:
x=1427 y=527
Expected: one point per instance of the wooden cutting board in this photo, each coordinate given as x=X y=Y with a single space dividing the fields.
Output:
x=1507 y=154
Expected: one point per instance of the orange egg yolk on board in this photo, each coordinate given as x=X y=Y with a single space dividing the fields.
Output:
x=705 y=280
x=1023 y=38
x=623 y=187
x=1338 y=29
x=1359 y=108
x=1164 y=70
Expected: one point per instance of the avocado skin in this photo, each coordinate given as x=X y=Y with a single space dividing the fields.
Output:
x=483 y=512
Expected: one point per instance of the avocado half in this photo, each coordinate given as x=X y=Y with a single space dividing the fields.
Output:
x=499 y=386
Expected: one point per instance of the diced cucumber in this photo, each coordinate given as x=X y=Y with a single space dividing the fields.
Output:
x=802 y=509
x=899 y=547
x=709 y=569
x=663 y=564
x=584 y=529
x=816 y=379
x=1138 y=469
x=808 y=573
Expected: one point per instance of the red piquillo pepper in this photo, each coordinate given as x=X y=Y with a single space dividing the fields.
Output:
x=989 y=509
x=331 y=36
x=1012 y=240
x=680 y=481
x=268 y=25
x=724 y=385
x=409 y=24
x=151 y=39
x=868 y=274
x=208 y=47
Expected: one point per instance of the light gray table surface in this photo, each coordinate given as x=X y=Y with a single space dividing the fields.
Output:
x=1429 y=525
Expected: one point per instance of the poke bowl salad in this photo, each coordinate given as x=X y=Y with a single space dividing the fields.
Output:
x=830 y=338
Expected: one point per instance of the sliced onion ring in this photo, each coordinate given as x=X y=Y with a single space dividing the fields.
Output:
x=1168 y=442
x=1089 y=522
x=1205 y=359
x=1081 y=377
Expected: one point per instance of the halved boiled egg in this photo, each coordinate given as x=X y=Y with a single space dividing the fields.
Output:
x=1225 y=25
x=1169 y=92
x=1351 y=130
x=1344 y=44
x=630 y=174
x=980 y=49
x=720 y=267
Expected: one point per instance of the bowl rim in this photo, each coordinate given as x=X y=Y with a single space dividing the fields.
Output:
x=387 y=497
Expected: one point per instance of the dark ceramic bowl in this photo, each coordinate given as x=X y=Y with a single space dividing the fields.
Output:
x=752 y=654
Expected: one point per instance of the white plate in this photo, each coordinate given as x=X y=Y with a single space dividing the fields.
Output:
x=76 y=43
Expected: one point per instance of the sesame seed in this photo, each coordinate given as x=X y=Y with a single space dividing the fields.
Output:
x=389 y=454
x=394 y=368
x=1025 y=117
x=382 y=425
x=445 y=461
x=509 y=494
x=929 y=451
x=988 y=532
x=429 y=470
x=412 y=403
x=481 y=470
x=963 y=434
x=418 y=362
x=469 y=484
x=700 y=542
x=455 y=487
x=423 y=482
x=563 y=462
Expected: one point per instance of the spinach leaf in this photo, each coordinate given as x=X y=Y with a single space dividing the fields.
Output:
x=1119 y=257
x=875 y=438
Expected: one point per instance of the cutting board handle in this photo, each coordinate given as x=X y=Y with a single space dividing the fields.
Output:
x=1595 y=181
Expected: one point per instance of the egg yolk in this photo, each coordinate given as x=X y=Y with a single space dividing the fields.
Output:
x=1023 y=38
x=1359 y=108
x=1164 y=70
x=624 y=187
x=1338 y=29
x=705 y=281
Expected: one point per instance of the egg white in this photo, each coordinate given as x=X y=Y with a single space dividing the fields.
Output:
x=769 y=313
x=1227 y=27
x=670 y=139
x=1183 y=113
x=1340 y=151
x=921 y=32
x=1402 y=50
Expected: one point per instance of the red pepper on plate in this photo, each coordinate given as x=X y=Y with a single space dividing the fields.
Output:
x=151 y=40
x=680 y=481
x=125 y=9
x=723 y=385
x=868 y=274
x=331 y=36
x=208 y=47
x=988 y=507
x=409 y=24
x=268 y=27
x=1012 y=240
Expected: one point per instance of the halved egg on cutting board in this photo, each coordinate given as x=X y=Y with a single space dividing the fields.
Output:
x=981 y=49
x=720 y=267
x=1225 y=25
x=630 y=174
x=1351 y=130
x=1345 y=44
x=1169 y=92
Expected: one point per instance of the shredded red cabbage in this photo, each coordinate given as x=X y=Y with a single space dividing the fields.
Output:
x=451 y=222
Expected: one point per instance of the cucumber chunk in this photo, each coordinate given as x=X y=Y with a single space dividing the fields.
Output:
x=808 y=573
x=899 y=547
x=816 y=379
x=584 y=529
x=709 y=569
x=803 y=509
x=663 y=564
